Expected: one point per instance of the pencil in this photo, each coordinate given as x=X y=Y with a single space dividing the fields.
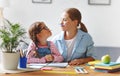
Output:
x=63 y=72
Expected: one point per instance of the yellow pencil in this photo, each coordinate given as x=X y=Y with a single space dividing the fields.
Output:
x=63 y=72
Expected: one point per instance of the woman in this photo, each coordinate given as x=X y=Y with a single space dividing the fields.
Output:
x=41 y=50
x=74 y=43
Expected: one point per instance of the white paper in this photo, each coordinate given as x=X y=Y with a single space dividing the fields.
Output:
x=118 y=60
x=49 y=64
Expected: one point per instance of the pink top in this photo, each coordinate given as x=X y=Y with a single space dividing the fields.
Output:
x=31 y=51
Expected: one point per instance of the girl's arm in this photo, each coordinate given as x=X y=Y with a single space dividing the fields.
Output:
x=32 y=53
x=55 y=53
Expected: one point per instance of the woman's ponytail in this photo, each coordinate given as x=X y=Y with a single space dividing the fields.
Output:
x=83 y=28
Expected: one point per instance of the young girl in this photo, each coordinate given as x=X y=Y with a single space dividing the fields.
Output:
x=40 y=50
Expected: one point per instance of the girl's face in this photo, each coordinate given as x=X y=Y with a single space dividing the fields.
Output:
x=44 y=33
x=67 y=23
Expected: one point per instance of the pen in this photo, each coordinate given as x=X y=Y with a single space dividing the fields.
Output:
x=85 y=71
x=80 y=70
x=21 y=53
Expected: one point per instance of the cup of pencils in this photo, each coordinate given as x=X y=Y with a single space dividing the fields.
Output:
x=22 y=60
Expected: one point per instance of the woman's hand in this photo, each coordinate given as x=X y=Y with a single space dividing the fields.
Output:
x=81 y=61
x=49 y=58
x=76 y=62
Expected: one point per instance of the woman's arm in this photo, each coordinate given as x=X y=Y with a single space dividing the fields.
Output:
x=80 y=61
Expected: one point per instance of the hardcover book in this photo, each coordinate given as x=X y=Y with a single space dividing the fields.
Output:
x=107 y=71
x=110 y=64
x=107 y=67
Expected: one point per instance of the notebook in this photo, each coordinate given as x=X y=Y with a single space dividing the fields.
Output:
x=62 y=65
x=110 y=64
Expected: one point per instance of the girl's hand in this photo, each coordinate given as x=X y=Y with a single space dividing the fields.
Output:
x=49 y=58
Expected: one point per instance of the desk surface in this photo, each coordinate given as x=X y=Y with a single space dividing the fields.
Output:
x=69 y=71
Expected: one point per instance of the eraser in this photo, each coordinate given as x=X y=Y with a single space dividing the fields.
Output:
x=46 y=68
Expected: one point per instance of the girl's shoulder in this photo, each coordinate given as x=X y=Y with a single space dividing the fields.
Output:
x=51 y=43
x=32 y=44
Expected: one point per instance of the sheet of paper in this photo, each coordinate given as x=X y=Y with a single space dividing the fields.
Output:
x=58 y=64
x=118 y=60
x=35 y=66
x=49 y=64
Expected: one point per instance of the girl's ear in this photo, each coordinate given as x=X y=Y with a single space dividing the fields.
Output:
x=38 y=35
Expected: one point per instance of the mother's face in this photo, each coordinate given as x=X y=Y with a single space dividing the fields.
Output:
x=67 y=23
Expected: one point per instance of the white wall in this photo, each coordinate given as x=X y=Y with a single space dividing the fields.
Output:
x=103 y=22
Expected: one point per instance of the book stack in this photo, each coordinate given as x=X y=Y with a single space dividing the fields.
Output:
x=109 y=68
x=92 y=63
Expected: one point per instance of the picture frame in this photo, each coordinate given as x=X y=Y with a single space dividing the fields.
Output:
x=99 y=2
x=42 y=1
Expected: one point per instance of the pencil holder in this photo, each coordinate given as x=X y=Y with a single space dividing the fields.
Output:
x=23 y=62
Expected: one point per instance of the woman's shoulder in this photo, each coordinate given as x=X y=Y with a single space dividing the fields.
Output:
x=84 y=34
x=86 y=37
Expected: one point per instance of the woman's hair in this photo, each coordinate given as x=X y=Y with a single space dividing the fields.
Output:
x=75 y=14
x=34 y=29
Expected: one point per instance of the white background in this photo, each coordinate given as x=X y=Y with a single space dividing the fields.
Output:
x=103 y=22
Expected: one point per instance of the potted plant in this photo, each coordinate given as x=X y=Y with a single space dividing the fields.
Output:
x=10 y=36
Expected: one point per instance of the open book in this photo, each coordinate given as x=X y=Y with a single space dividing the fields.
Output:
x=37 y=65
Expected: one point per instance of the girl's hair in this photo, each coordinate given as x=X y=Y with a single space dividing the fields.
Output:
x=75 y=14
x=34 y=29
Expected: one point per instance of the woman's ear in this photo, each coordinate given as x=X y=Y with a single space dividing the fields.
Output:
x=76 y=22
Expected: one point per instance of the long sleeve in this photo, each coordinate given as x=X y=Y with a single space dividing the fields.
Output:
x=57 y=56
x=31 y=53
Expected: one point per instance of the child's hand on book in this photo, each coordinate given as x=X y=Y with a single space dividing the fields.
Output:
x=49 y=58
